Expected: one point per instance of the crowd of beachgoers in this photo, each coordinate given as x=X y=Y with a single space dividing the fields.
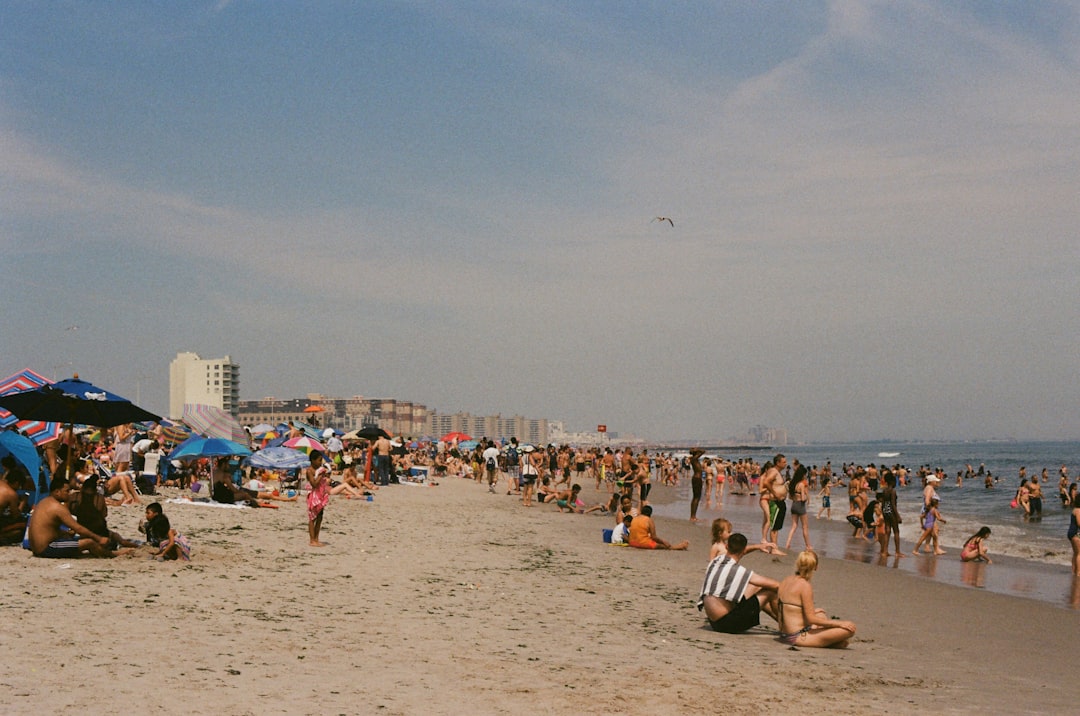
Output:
x=131 y=465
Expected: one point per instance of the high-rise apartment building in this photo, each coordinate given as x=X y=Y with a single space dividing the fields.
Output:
x=213 y=381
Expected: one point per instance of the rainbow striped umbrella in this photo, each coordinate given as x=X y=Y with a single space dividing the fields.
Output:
x=38 y=431
x=213 y=422
x=305 y=444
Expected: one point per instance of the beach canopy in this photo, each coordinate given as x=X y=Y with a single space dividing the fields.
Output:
x=39 y=431
x=74 y=401
x=213 y=422
x=455 y=436
x=278 y=458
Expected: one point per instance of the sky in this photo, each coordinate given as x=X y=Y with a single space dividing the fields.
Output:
x=875 y=208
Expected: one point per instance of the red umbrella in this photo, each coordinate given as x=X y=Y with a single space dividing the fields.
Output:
x=455 y=436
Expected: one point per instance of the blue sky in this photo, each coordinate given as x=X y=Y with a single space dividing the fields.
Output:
x=875 y=208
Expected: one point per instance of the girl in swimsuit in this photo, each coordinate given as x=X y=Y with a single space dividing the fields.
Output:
x=800 y=623
x=975 y=549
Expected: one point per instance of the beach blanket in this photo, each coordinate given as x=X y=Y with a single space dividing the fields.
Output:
x=205 y=503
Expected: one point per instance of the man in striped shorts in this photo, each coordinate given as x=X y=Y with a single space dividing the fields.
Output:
x=732 y=596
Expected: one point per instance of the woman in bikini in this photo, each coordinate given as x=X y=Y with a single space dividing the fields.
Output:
x=1074 y=534
x=974 y=549
x=800 y=623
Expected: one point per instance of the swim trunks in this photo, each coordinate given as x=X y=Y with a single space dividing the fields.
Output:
x=644 y=544
x=61 y=549
x=743 y=616
x=777 y=512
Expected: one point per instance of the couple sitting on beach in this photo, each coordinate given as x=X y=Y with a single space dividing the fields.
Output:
x=733 y=598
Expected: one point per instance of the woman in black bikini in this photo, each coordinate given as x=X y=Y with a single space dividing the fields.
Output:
x=800 y=623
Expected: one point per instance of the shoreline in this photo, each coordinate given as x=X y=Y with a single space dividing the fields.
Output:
x=1047 y=582
x=450 y=599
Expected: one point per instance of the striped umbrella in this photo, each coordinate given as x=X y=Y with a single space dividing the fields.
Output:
x=213 y=422
x=305 y=444
x=38 y=431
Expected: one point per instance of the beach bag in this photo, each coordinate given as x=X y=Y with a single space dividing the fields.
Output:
x=1014 y=504
x=607 y=536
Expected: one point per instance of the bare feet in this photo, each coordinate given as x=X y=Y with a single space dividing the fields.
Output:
x=939 y=551
x=901 y=554
x=915 y=551
x=682 y=545
x=316 y=543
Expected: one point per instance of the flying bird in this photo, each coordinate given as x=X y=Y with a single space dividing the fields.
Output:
x=662 y=219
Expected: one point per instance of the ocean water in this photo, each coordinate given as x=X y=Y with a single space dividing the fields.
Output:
x=1031 y=557
x=969 y=507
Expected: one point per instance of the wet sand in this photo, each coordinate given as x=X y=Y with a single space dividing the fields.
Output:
x=451 y=600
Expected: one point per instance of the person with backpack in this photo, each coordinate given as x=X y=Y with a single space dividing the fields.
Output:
x=491 y=464
x=513 y=466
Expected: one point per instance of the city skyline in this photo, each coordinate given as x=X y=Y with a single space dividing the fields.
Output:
x=869 y=208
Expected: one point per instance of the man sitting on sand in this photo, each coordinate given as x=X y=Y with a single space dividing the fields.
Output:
x=48 y=540
x=732 y=596
x=643 y=533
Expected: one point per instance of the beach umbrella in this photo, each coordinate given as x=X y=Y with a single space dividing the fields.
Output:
x=278 y=458
x=468 y=444
x=458 y=436
x=213 y=422
x=74 y=401
x=174 y=433
x=305 y=444
x=368 y=432
x=197 y=447
x=261 y=429
x=39 y=431
x=268 y=437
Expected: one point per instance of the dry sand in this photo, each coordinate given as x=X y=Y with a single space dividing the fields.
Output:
x=447 y=600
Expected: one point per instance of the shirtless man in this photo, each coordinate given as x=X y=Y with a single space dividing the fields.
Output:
x=46 y=538
x=382 y=460
x=773 y=496
x=1035 y=497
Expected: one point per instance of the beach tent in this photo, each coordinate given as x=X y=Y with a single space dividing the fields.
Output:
x=22 y=449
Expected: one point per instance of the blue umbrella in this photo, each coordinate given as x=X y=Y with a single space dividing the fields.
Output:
x=74 y=401
x=197 y=446
x=22 y=449
x=278 y=458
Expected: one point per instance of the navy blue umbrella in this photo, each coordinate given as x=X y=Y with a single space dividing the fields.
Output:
x=74 y=401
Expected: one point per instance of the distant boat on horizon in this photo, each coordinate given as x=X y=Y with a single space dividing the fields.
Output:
x=888 y=454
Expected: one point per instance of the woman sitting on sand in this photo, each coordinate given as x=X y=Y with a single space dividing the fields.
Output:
x=90 y=510
x=974 y=549
x=800 y=623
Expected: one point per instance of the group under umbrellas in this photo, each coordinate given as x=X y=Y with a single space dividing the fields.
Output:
x=75 y=402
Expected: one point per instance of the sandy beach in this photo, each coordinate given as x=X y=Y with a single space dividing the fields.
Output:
x=450 y=600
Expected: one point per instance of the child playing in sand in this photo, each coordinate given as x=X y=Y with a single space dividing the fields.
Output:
x=931 y=518
x=318 y=475
x=159 y=533
x=974 y=549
